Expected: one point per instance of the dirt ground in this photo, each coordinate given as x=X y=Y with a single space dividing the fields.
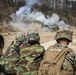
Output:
x=46 y=39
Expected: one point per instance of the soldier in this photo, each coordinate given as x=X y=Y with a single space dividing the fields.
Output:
x=31 y=55
x=14 y=48
x=12 y=54
x=2 y=69
x=59 y=59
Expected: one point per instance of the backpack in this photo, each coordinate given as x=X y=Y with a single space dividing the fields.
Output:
x=52 y=61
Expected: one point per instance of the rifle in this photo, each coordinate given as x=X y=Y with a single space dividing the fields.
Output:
x=16 y=48
x=8 y=49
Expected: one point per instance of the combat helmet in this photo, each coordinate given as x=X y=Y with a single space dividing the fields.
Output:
x=33 y=36
x=64 y=34
x=20 y=37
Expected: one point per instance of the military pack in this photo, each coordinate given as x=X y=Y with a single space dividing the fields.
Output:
x=52 y=62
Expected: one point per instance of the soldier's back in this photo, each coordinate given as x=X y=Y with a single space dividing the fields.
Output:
x=58 y=61
x=30 y=58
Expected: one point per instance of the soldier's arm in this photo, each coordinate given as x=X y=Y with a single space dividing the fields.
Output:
x=40 y=57
x=71 y=57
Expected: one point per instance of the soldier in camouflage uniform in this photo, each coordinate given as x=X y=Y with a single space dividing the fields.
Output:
x=68 y=64
x=30 y=56
x=12 y=54
x=14 y=48
x=2 y=67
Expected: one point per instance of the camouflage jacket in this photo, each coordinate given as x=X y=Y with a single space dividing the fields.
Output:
x=2 y=68
x=10 y=57
x=69 y=61
x=30 y=58
x=6 y=65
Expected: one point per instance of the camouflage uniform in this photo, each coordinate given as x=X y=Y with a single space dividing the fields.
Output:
x=12 y=54
x=70 y=59
x=14 y=48
x=30 y=56
x=68 y=66
x=2 y=68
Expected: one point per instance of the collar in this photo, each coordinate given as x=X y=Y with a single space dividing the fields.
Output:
x=61 y=45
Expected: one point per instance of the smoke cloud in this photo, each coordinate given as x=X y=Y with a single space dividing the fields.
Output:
x=25 y=19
